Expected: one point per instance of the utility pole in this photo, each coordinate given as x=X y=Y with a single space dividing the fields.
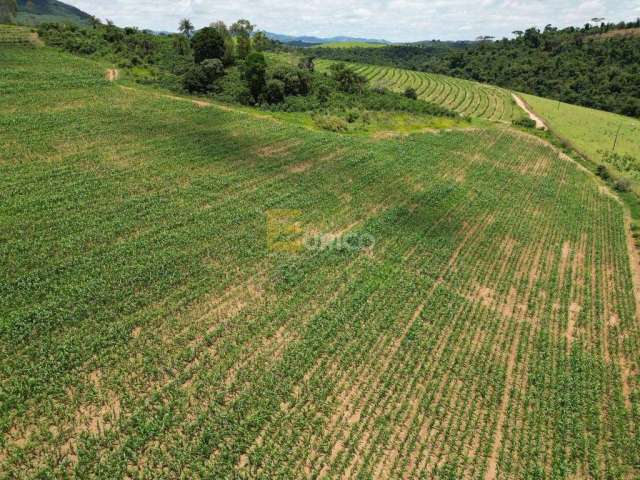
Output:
x=615 y=142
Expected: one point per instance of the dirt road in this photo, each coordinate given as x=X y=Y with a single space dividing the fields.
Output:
x=521 y=103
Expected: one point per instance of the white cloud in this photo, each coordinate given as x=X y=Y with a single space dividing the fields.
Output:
x=396 y=20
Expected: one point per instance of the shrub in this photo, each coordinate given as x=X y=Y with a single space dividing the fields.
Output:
x=622 y=185
x=332 y=123
x=602 y=172
x=208 y=43
x=244 y=97
x=353 y=116
x=524 y=122
x=196 y=80
x=411 y=93
x=275 y=91
x=296 y=81
x=307 y=63
x=202 y=78
x=323 y=93
x=213 y=68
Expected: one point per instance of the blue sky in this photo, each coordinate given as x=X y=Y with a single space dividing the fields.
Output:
x=395 y=20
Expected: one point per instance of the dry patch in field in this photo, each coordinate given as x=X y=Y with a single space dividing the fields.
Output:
x=299 y=167
x=386 y=135
x=564 y=262
x=574 y=312
x=112 y=74
x=627 y=375
x=278 y=149
x=413 y=184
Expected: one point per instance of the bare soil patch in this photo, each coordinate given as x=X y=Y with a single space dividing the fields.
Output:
x=112 y=74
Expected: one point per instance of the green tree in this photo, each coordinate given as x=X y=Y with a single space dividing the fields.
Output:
x=261 y=42
x=242 y=27
x=202 y=78
x=186 y=27
x=347 y=79
x=8 y=11
x=295 y=80
x=213 y=68
x=255 y=74
x=241 y=31
x=307 y=63
x=208 y=43
x=94 y=22
x=180 y=44
x=229 y=45
x=244 y=45
x=274 y=91
x=221 y=27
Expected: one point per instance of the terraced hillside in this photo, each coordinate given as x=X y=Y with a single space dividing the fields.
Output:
x=468 y=98
x=12 y=36
x=152 y=327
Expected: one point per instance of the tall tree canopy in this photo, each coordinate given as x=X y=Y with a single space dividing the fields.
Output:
x=186 y=27
x=208 y=43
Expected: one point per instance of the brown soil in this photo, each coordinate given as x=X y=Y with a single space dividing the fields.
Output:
x=112 y=74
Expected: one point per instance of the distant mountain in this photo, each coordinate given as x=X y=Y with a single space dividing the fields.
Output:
x=302 y=40
x=34 y=12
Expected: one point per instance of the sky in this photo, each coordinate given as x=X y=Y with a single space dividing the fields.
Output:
x=393 y=20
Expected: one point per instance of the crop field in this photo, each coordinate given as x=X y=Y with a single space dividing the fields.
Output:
x=591 y=131
x=468 y=98
x=12 y=36
x=150 y=329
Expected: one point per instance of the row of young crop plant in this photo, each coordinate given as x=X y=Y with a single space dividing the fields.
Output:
x=351 y=418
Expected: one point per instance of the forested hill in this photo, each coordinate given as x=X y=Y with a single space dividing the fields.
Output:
x=596 y=67
x=34 y=12
x=411 y=56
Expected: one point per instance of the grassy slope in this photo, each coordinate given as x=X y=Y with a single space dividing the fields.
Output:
x=590 y=131
x=145 y=327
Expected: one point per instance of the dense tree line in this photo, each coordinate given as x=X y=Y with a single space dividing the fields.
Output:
x=594 y=66
x=412 y=57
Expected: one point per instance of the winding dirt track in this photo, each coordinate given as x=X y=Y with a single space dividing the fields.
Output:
x=522 y=104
